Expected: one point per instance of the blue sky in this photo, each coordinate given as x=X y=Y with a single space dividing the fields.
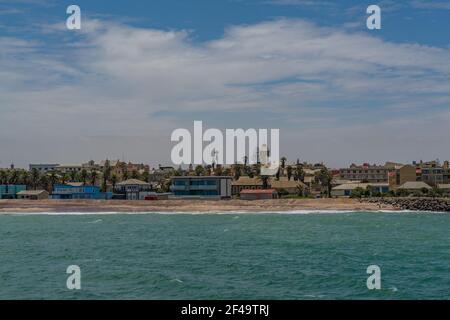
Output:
x=339 y=92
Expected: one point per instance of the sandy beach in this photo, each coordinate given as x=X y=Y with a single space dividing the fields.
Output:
x=183 y=205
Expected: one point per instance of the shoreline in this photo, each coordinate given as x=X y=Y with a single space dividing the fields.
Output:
x=189 y=206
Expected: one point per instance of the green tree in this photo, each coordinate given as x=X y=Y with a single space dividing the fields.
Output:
x=358 y=192
x=64 y=178
x=114 y=181
x=324 y=176
x=299 y=174
x=84 y=176
x=44 y=182
x=146 y=176
x=300 y=190
x=289 y=172
x=35 y=177
x=199 y=170
x=53 y=179
x=73 y=175
x=3 y=177
x=283 y=162
x=94 y=176
x=135 y=174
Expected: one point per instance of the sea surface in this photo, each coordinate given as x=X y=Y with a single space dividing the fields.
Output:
x=303 y=255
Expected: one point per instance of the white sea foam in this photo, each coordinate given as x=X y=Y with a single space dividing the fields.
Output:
x=236 y=212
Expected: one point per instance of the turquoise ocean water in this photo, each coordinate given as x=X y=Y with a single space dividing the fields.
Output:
x=225 y=256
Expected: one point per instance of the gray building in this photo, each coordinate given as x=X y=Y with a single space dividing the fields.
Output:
x=43 y=167
x=218 y=187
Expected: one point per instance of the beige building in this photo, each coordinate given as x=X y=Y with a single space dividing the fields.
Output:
x=445 y=189
x=414 y=186
x=247 y=183
x=265 y=194
x=401 y=174
x=347 y=189
x=365 y=173
x=33 y=194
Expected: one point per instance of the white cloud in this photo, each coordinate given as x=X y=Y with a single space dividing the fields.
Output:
x=100 y=95
x=421 y=4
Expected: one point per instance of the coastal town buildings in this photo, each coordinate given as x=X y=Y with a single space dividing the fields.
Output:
x=9 y=191
x=400 y=174
x=414 y=187
x=33 y=194
x=347 y=190
x=68 y=191
x=134 y=189
x=44 y=168
x=445 y=189
x=282 y=184
x=249 y=194
x=202 y=186
x=365 y=173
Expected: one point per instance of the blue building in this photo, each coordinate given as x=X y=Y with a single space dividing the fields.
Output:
x=79 y=192
x=202 y=187
x=9 y=191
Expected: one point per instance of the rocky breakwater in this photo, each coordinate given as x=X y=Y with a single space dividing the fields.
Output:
x=416 y=204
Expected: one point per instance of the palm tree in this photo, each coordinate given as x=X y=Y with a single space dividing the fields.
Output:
x=125 y=174
x=44 y=182
x=35 y=176
x=13 y=176
x=107 y=171
x=113 y=181
x=3 y=177
x=25 y=177
x=84 y=176
x=237 y=171
x=53 y=179
x=64 y=178
x=146 y=176
x=299 y=174
x=283 y=162
x=325 y=178
x=135 y=174
x=199 y=170
x=289 y=172
x=73 y=175
x=300 y=190
x=93 y=177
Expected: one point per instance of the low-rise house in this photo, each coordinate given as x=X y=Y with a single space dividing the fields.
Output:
x=134 y=189
x=79 y=192
x=245 y=183
x=347 y=189
x=211 y=187
x=9 y=191
x=290 y=186
x=259 y=194
x=445 y=188
x=414 y=186
x=33 y=194
x=283 y=183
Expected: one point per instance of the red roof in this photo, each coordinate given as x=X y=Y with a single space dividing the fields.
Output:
x=270 y=191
